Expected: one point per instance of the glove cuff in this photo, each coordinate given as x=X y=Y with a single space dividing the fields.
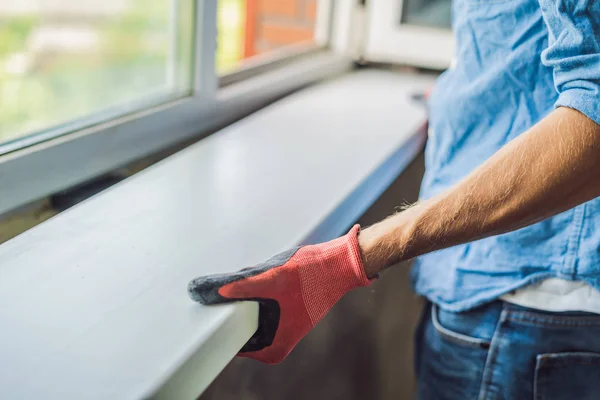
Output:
x=355 y=257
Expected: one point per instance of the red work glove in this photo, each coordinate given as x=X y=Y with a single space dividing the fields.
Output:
x=294 y=289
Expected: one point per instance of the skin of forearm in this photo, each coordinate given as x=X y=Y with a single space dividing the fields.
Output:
x=549 y=169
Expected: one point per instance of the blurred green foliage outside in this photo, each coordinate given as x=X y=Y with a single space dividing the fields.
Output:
x=56 y=68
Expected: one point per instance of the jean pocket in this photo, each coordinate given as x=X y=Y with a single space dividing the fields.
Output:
x=573 y=375
x=450 y=363
x=456 y=337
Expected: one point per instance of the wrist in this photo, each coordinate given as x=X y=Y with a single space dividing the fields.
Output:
x=371 y=264
x=389 y=242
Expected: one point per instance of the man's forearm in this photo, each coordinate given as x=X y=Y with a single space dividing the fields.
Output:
x=549 y=169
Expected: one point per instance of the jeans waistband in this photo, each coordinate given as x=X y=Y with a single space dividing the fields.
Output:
x=481 y=322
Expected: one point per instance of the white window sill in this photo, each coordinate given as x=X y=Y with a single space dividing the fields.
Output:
x=94 y=301
x=44 y=167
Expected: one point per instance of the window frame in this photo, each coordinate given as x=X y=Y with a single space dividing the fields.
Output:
x=388 y=40
x=81 y=150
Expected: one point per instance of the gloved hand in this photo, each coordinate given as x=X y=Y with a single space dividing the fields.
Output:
x=294 y=289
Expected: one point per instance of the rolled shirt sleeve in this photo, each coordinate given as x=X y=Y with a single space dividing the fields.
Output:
x=573 y=53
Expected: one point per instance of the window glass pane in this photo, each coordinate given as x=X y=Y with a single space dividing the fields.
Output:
x=250 y=28
x=434 y=13
x=66 y=60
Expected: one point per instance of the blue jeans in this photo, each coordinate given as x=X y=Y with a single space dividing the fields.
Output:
x=503 y=351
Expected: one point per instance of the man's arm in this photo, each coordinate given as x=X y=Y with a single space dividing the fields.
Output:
x=547 y=170
x=550 y=168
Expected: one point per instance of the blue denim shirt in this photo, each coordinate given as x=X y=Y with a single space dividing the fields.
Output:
x=516 y=61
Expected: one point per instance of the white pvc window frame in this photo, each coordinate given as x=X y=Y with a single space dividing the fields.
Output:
x=390 y=41
x=82 y=150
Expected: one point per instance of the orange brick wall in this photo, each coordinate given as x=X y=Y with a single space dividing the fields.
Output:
x=276 y=23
